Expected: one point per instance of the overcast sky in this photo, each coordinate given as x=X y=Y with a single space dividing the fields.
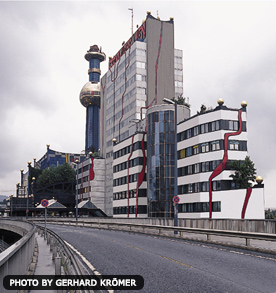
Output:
x=229 y=51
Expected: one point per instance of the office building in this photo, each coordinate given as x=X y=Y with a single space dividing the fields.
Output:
x=141 y=74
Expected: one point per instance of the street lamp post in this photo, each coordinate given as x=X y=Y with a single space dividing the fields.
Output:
x=21 y=170
x=29 y=188
x=32 y=196
x=11 y=204
x=77 y=189
x=175 y=160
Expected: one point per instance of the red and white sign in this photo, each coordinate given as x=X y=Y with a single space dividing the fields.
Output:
x=176 y=199
x=44 y=203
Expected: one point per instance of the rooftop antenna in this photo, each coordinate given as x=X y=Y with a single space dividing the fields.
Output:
x=131 y=9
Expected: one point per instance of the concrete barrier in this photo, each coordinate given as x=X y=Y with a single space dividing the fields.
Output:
x=16 y=259
x=254 y=226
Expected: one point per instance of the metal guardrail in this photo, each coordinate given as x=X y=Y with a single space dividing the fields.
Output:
x=144 y=228
x=69 y=261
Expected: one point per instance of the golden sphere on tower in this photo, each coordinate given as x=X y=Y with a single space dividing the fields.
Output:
x=259 y=179
x=220 y=102
x=114 y=140
x=244 y=104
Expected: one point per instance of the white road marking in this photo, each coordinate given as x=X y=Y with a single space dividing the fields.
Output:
x=87 y=262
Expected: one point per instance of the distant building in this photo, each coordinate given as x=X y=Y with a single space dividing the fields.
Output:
x=56 y=158
x=63 y=192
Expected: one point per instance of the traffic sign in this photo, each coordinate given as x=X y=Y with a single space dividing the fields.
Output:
x=176 y=199
x=44 y=203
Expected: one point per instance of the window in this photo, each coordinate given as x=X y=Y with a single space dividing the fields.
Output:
x=215 y=125
x=205 y=147
x=140 y=52
x=177 y=60
x=233 y=145
x=178 y=83
x=204 y=186
x=188 y=151
x=196 y=149
x=140 y=77
x=216 y=185
x=197 y=168
x=216 y=206
x=215 y=145
x=141 y=90
x=215 y=164
x=182 y=154
x=196 y=131
x=204 y=128
x=177 y=71
x=205 y=167
x=141 y=65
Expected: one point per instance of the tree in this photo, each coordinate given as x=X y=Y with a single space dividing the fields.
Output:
x=62 y=173
x=244 y=172
x=181 y=101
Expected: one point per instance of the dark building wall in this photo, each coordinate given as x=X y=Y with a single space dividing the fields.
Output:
x=160 y=60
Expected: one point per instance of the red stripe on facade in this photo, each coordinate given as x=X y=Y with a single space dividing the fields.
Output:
x=103 y=119
x=141 y=174
x=221 y=166
x=91 y=172
x=156 y=69
x=248 y=194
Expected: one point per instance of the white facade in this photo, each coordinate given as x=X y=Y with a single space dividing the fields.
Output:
x=207 y=142
x=91 y=181
x=130 y=163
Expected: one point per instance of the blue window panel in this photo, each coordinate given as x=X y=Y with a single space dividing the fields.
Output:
x=94 y=76
x=94 y=63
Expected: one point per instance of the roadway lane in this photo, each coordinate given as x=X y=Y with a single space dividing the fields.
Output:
x=169 y=265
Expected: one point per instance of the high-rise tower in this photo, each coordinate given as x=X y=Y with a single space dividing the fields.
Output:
x=90 y=97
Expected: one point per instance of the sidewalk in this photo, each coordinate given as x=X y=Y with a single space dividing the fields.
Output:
x=45 y=264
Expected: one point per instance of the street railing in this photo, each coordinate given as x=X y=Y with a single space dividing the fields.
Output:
x=71 y=266
x=164 y=230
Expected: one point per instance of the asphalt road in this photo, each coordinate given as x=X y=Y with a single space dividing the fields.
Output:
x=169 y=265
